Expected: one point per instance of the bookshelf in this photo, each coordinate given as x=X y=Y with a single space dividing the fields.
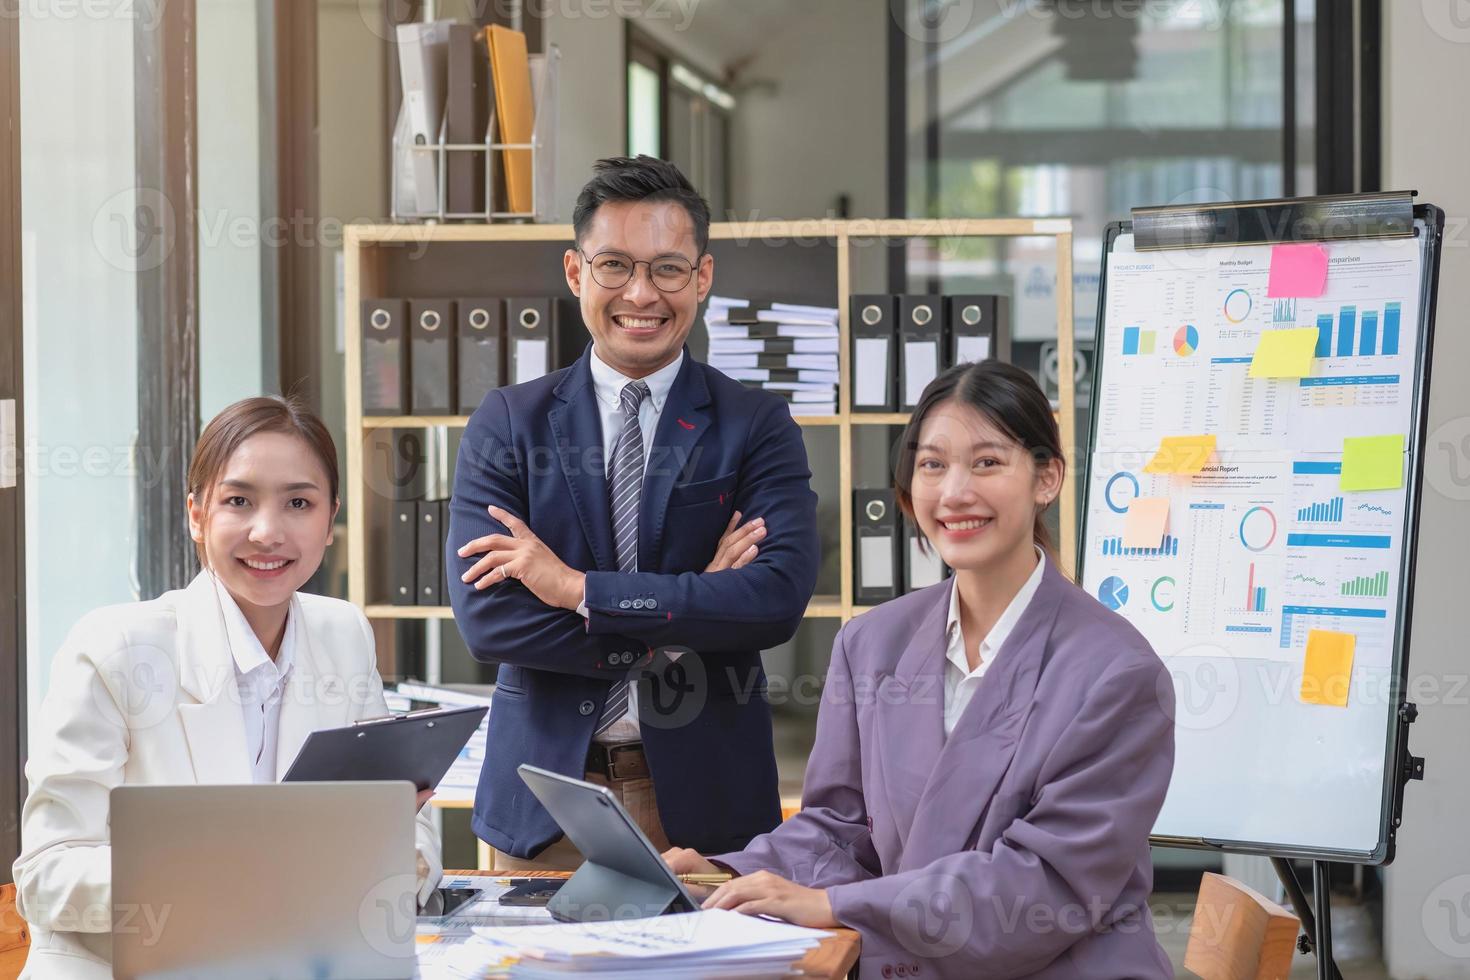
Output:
x=816 y=255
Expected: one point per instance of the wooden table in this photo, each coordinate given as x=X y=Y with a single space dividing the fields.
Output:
x=832 y=960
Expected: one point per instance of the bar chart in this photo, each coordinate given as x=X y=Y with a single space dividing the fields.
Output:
x=1114 y=546
x=1367 y=585
x=1348 y=335
x=1323 y=512
x=1255 y=595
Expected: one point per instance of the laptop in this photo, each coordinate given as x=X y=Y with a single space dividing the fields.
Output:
x=269 y=880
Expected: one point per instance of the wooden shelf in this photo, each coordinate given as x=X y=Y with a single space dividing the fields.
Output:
x=371 y=422
x=384 y=611
x=880 y=418
x=821 y=607
x=824 y=607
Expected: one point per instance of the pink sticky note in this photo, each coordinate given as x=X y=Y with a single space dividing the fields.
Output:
x=1146 y=521
x=1297 y=271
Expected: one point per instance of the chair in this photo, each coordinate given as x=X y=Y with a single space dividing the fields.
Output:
x=15 y=938
x=1238 y=933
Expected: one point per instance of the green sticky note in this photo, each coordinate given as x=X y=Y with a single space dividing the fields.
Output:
x=1284 y=353
x=1372 y=463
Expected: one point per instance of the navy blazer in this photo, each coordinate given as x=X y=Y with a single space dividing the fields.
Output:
x=536 y=449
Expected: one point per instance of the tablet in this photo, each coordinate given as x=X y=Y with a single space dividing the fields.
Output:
x=623 y=875
x=418 y=747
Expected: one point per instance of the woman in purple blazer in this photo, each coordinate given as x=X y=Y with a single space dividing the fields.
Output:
x=991 y=751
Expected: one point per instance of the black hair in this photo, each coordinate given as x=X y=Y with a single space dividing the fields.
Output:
x=1009 y=399
x=640 y=178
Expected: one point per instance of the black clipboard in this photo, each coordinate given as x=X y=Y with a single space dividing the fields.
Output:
x=418 y=747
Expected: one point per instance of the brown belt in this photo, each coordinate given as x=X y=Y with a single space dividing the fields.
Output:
x=625 y=761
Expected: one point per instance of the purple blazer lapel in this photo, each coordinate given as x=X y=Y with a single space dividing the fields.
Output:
x=908 y=713
x=978 y=752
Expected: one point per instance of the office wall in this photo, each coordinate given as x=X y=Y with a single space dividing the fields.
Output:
x=1425 y=145
x=819 y=128
x=593 y=94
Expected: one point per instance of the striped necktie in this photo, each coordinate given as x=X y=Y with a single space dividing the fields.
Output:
x=625 y=491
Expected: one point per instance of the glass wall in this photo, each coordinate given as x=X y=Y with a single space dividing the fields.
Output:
x=1086 y=110
x=85 y=233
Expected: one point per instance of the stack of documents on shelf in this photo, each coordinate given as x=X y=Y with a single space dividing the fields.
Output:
x=786 y=348
x=716 y=943
x=460 y=782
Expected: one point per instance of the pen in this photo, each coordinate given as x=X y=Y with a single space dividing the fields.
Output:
x=709 y=879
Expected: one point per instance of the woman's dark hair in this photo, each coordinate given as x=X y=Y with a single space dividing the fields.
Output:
x=1009 y=399
x=252 y=416
x=640 y=178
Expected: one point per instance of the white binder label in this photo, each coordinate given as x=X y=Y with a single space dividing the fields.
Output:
x=875 y=561
x=530 y=360
x=871 y=370
x=921 y=364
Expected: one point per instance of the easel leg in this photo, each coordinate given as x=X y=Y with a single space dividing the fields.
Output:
x=1315 y=914
x=1322 y=895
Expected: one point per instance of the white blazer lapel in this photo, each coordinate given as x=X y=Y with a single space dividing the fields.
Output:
x=215 y=725
x=315 y=695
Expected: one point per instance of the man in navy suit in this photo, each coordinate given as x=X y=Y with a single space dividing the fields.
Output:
x=596 y=526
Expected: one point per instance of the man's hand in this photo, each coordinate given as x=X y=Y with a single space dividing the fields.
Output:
x=524 y=557
x=737 y=547
x=764 y=893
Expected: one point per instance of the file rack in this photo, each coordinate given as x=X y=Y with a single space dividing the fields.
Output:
x=545 y=72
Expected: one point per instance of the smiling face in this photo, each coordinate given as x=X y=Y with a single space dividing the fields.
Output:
x=267 y=519
x=638 y=328
x=976 y=491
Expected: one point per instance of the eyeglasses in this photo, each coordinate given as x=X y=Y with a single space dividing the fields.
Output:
x=613 y=270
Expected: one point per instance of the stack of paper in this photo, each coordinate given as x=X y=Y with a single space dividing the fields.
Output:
x=786 y=348
x=463 y=777
x=716 y=943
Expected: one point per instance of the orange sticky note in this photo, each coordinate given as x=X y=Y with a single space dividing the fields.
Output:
x=1181 y=454
x=1328 y=670
x=1146 y=522
x=1297 y=271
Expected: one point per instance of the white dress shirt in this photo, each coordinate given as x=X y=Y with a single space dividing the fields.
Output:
x=960 y=682
x=261 y=682
x=608 y=384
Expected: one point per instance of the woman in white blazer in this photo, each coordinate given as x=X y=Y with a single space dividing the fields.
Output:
x=219 y=682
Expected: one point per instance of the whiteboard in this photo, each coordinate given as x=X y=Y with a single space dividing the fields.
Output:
x=1262 y=544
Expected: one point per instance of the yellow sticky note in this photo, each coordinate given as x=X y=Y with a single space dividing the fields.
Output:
x=1181 y=454
x=1372 y=463
x=1146 y=522
x=1284 y=353
x=1328 y=670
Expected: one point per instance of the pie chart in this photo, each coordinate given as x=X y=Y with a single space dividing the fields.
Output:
x=1186 y=340
x=1113 y=592
x=1257 y=529
x=1237 y=305
x=1118 y=503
